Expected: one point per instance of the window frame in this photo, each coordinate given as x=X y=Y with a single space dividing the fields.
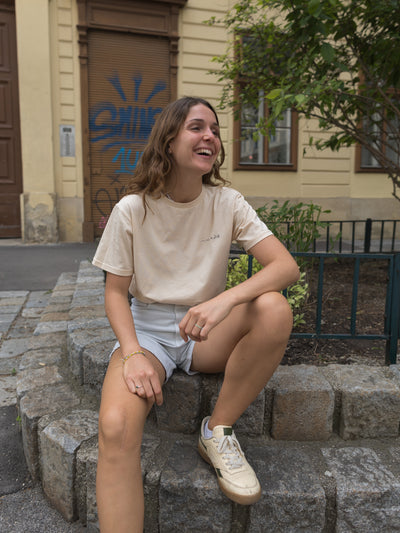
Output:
x=358 y=155
x=237 y=128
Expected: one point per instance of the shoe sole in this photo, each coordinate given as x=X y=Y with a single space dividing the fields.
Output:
x=237 y=498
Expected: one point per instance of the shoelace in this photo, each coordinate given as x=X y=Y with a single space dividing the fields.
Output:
x=231 y=450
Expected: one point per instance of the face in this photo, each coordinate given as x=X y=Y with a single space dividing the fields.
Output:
x=197 y=145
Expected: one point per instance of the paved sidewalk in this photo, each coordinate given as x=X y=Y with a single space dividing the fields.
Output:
x=28 y=273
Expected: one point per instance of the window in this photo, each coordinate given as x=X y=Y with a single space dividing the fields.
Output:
x=277 y=152
x=385 y=138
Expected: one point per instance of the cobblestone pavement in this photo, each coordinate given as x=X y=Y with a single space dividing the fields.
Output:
x=27 y=275
x=23 y=507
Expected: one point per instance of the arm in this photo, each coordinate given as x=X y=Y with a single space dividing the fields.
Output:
x=279 y=271
x=137 y=369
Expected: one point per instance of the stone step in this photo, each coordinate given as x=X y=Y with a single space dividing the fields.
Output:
x=312 y=487
x=302 y=433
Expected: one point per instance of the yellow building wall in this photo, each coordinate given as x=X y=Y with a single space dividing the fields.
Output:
x=38 y=206
x=324 y=177
x=66 y=112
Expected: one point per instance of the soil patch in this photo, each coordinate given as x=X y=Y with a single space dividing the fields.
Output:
x=336 y=314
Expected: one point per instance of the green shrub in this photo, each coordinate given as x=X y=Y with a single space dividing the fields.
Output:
x=296 y=225
x=297 y=293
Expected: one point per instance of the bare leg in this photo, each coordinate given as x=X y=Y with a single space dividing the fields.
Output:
x=119 y=485
x=249 y=345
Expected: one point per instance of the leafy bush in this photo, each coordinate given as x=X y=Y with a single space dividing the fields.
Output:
x=296 y=294
x=296 y=225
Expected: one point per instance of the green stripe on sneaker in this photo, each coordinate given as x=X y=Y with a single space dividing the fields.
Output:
x=227 y=431
x=218 y=472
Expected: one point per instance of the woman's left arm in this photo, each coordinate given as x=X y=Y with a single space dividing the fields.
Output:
x=279 y=271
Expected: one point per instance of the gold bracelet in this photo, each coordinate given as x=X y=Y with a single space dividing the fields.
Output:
x=124 y=359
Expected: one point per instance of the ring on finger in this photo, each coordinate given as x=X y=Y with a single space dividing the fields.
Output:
x=139 y=386
x=198 y=326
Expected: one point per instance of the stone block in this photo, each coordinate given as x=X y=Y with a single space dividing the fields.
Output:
x=51 y=327
x=303 y=404
x=79 y=340
x=86 y=466
x=181 y=410
x=31 y=379
x=369 y=401
x=189 y=494
x=251 y=423
x=47 y=340
x=41 y=357
x=32 y=407
x=88 y=323
x=367 y=494
x=292 y=500
x=59 y=442
x=95 y=359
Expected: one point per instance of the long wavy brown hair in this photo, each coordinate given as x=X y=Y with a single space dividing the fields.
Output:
x=155 y=164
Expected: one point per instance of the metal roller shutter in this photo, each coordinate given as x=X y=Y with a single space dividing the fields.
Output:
x=129 y=84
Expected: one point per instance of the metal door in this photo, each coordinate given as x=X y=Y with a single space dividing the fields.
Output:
x=129 y=84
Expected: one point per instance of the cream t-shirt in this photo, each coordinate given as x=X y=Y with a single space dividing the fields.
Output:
x=179 y=253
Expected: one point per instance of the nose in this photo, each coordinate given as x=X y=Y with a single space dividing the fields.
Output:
x=208 y=133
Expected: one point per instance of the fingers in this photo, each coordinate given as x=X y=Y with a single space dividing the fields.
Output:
x=143 y=381
x=194 y=326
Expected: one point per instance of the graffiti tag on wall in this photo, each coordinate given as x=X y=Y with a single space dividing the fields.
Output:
x=119 y=130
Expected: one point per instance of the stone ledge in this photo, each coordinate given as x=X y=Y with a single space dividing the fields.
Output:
x=301 y=403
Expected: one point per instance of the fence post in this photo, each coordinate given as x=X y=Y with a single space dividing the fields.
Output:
x=367 y=236
x=391 y=346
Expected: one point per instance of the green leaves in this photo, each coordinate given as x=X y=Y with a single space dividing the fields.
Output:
x=310 y=55
x=327 y=52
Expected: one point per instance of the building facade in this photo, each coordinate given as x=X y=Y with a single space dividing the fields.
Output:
x=82 y=82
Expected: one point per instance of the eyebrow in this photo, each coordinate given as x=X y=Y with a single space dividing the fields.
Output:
x=202 y=121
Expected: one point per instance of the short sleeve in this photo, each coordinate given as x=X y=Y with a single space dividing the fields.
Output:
x=115 y=251
x=248 y=229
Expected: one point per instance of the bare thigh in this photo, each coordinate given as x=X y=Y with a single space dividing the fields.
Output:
x=269 y=314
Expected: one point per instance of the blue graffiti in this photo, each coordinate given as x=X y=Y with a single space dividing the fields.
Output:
x=121 y=126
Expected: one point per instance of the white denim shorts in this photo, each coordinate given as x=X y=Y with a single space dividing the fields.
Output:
x=157 y=330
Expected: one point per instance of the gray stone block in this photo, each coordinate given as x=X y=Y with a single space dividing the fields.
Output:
x=86 y=466
x=368 y=495
x=59 y=442
x=303 y=404
x=32 y=407
x=251 y=423
x=95 y=359
x=79 y=340
x=54 y=326
x=41 y=357
x=88 y=323
x=369 y=400
x=181 y=410
x=32 y=379
x=190 y=499
x=293 y=500
x=47 y=340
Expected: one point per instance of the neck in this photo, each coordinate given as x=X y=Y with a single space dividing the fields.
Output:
x=183 y=190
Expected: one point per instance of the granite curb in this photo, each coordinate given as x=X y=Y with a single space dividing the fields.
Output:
x=324 y=440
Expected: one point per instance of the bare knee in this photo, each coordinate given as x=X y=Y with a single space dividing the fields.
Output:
x=273 y=312
x=119 y=433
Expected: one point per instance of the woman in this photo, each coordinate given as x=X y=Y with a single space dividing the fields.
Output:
x=167 y=243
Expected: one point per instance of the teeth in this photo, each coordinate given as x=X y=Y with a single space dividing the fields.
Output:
x=205 y=151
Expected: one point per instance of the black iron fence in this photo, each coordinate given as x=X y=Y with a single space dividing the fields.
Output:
x=367 y=236
x=390 y=325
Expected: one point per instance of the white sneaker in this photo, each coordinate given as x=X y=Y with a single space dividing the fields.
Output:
x=236 y=478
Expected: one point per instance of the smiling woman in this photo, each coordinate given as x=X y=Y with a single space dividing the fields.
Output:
x=178 y=210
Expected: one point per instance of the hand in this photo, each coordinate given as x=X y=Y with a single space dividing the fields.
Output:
x=201 y=319
x=142 y=379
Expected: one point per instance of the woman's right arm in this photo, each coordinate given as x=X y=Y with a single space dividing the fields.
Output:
x=137 y=369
